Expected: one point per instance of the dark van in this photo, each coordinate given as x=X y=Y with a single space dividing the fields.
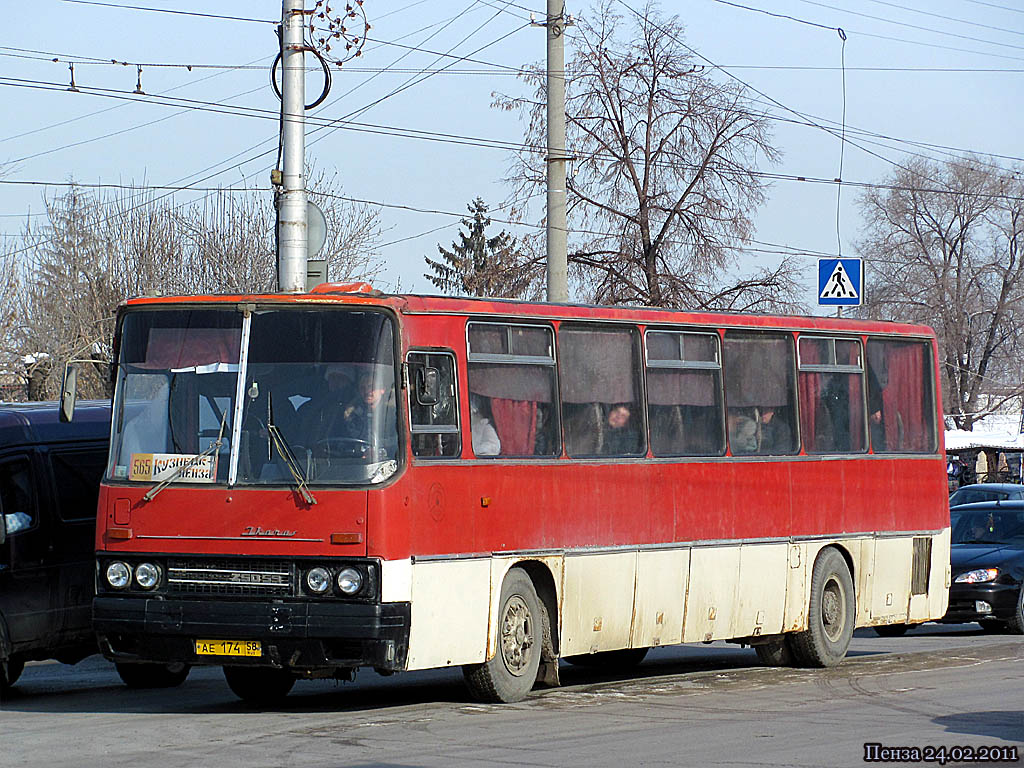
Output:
x=49 y=482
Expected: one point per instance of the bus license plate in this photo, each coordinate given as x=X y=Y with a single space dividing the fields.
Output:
x=228 y=648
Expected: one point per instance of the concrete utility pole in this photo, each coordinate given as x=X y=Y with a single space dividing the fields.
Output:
x=291 y=211
x=557 y=229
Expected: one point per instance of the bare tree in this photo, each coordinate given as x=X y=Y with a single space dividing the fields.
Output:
x=664 y=182
x=94 y=251
x=482 y=265
x=942 y=244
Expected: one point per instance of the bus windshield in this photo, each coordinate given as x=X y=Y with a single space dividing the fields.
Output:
x=266 y=397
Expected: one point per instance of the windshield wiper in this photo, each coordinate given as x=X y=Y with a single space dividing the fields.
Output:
x=214 y=446
x=285 y=451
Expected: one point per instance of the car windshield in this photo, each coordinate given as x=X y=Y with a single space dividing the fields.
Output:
x=317 y=402
x=974 y=495
x=989 y=526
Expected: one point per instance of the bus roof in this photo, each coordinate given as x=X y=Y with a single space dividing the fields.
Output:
x=364 y=294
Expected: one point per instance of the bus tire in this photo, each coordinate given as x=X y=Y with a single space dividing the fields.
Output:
x=891 y=630
x=624 y=658
x=152 y=675
x=509 y=676
x=831 y=614
x=1016 y=622
x=775 y=653
x=10 y=670
x=259 y=685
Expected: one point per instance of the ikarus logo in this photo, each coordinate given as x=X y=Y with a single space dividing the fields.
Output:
x=255 y=530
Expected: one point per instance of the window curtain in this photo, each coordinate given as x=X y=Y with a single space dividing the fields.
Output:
x=810 y=395
x=516 y=424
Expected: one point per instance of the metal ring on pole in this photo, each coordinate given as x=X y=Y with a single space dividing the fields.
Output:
x=327 y=79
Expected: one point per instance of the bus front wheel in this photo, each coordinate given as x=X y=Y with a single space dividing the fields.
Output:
x=10 y=670
x=831 y=614
x=511 y=673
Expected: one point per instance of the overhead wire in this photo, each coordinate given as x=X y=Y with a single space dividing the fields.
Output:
x=118 y=106
x=764 y=95
x=261 y=154
x=908 y=25
x=909 y=9
x=169 y=10
x=862 y=33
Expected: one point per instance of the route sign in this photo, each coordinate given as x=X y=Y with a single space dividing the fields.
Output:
x=840 y=282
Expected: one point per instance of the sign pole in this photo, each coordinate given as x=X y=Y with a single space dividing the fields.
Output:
x=291 y=211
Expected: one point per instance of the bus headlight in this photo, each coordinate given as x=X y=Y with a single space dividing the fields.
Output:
x=118 y=575
x=978 y=576
x=147 y=575
x=350 y=580
x=318 y=580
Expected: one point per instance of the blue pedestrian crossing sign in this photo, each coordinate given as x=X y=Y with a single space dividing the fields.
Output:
x=840 y=282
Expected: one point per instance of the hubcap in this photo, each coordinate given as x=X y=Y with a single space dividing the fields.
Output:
x=833 y=609
x=516 y=635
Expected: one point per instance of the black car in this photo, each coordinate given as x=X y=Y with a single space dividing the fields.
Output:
x=49 y=480
x=987 y=558
x=972 y=494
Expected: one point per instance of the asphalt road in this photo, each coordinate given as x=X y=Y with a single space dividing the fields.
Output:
x=687 y=706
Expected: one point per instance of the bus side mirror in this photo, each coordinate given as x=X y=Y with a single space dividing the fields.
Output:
x=68 y=392
x=428 y=386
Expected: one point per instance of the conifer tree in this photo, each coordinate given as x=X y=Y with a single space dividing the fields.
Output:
x=478 y=265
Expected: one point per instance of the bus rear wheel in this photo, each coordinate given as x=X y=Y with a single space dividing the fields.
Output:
x=152 y=675
x=621 y=659
x=510 y=675
x=259 y=685
x=831 y=614
x=775 y=652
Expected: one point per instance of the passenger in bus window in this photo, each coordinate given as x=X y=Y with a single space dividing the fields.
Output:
x=776 y=436
x=621 y=437
x=485 y=438
x=742 y=431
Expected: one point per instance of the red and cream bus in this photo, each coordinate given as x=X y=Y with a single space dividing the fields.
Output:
x=301 y=485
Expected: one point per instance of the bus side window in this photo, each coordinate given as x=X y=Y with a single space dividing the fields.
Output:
x=901 y=406
x=760 y=393
x=512 y=383
x=684 y=394
x=434 y=425
x=831 y=395
x=599 y=374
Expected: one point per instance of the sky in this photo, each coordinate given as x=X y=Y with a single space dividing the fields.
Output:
x=935 y=77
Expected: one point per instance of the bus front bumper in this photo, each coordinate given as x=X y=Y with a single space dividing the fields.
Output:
x=301 y=635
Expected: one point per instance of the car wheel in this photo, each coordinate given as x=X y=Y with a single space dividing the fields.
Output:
x=831 y=614
x=512 y=672
x=152 y=675
x=1016 y=622
x=259 y=685
x=10 y=670
x=891 y=630
x=621 y=659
